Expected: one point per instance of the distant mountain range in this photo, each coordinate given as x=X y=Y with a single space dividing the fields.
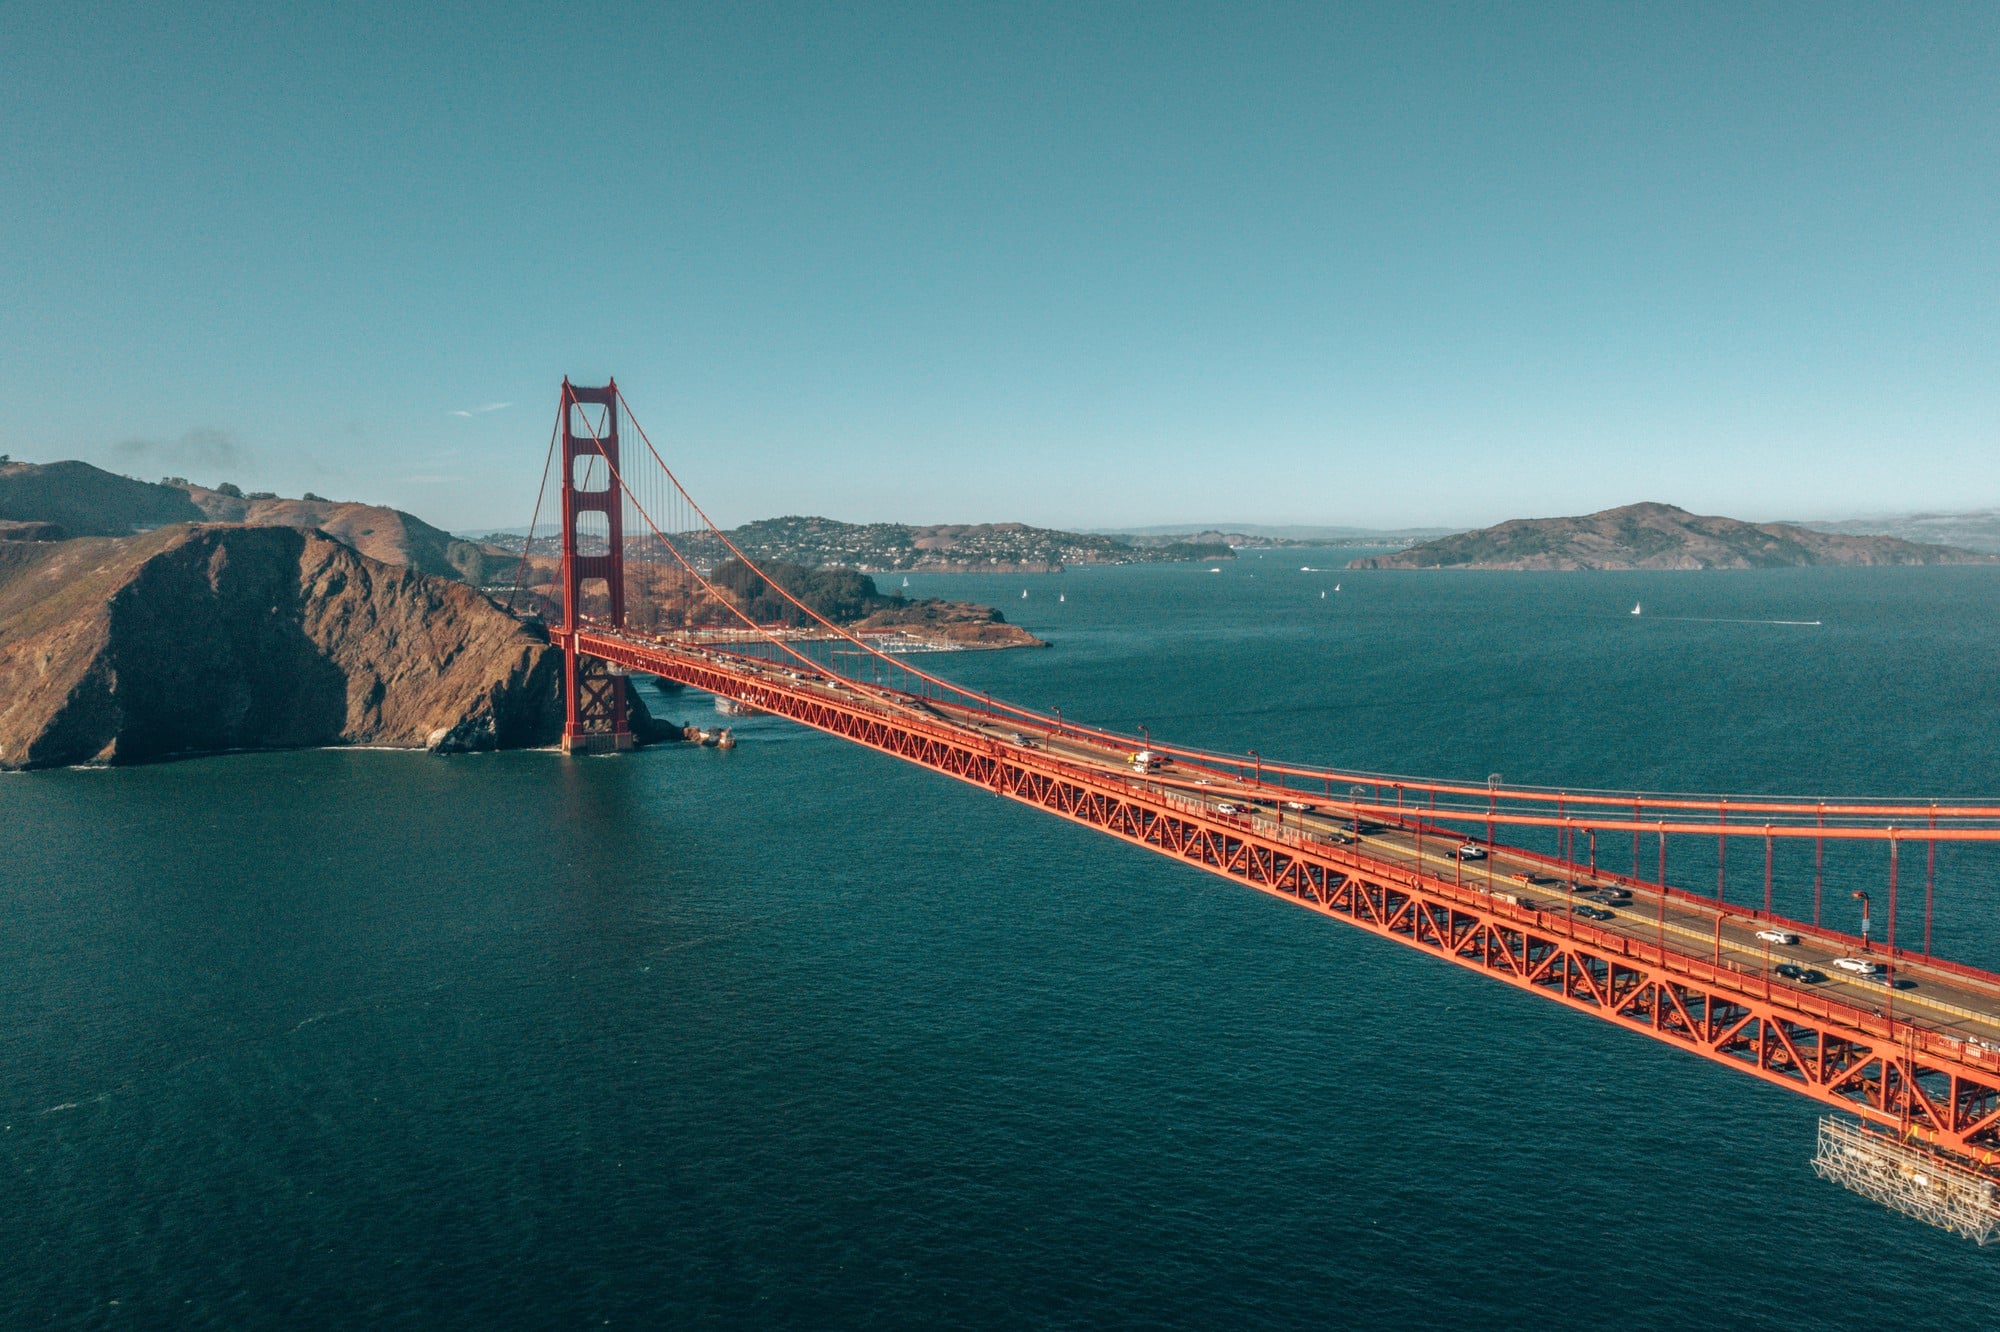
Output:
x=1977 y=530
x=1660 y=536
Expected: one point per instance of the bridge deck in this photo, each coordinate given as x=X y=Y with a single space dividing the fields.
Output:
x=1923 y=1060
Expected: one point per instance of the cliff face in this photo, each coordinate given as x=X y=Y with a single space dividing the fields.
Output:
x=201 y=638
x=1658 y=536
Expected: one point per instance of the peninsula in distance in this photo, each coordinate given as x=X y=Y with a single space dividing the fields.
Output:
x=1660 y=536
x=140 y=620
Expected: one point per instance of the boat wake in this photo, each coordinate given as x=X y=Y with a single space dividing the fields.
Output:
x=1709 y=619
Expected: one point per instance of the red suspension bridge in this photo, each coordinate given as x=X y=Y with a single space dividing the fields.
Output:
x=1513 y=882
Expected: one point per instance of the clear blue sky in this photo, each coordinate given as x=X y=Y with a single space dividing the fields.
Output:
x=1069 y=263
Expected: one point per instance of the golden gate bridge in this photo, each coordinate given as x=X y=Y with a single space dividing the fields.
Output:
x=1503 y=879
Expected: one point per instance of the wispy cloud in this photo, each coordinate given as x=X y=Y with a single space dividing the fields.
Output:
x=480 y=411
x=197 y=450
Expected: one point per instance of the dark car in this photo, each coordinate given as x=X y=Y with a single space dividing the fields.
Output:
x=1812 y=976
x=1593 y=913
x=1340 y=838
x=1791 y=970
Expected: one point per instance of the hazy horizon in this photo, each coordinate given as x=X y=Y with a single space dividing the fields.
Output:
x=1294 y=530
x=1337 y=266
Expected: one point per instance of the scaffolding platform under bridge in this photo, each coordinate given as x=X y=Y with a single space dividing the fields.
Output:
x=1908 y=1178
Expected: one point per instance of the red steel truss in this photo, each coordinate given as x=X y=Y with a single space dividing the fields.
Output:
x=1929 y=1085
x=1926 y=1086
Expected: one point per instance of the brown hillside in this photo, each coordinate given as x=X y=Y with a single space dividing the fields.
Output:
x=202 y=638
x=379 y=532
x=87 y=501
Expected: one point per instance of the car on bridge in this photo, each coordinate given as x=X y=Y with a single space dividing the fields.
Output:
x=1860 y=966
x=1472 y=851
x=1778 y=936
x=1235 y=811
x=1302 y=806
x=1593 y=913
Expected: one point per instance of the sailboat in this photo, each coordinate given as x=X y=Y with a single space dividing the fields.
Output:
x=1635 y=608
x=906 y=582
x=1336 y=587
x=1062 y=596
x=1322 y=595
x=1024 y=594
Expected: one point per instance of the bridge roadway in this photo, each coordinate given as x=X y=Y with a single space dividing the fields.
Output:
x=1941 y=1034
x=1926 y=994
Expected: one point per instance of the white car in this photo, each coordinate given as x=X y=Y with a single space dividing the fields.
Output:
x=1777 y=936
x=1472 y=851
x=1860 y=966
x=1230 y=809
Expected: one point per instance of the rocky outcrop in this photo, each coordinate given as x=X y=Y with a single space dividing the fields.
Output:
x=955 y=623
x=203 y=637
x=1659 y=536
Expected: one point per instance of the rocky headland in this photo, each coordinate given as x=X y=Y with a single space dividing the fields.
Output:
x=198 y=637
x=1660 y=536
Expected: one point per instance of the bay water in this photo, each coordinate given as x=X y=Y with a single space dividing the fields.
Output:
x=799 y=1036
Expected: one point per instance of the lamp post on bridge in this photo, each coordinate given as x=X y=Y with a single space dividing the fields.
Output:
x=1492 y=804
x=1863 y=898
x=1258 y=765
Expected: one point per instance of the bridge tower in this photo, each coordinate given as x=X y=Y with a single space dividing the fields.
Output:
x=594 y=699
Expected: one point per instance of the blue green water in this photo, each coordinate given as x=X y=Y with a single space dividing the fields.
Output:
x=796 y=1036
